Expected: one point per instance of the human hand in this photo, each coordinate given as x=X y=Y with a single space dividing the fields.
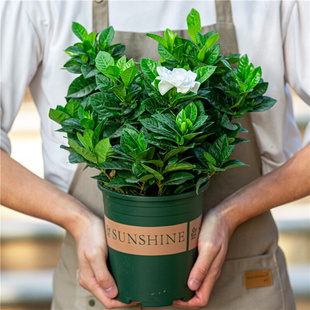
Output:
x=212 y=248
x=92 y=253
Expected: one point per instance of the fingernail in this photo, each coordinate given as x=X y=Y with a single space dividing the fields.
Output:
x=111 y=292
x=194 y=284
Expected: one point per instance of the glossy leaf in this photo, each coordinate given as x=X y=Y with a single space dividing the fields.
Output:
x=102 y=150
x=88 y=155
x=177 y=178
x=193 y=24
x=81 y=87
x=104 y=60
x=79 y=31
x=148 y=67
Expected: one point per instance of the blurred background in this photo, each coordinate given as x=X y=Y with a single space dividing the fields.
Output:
x=30 y=248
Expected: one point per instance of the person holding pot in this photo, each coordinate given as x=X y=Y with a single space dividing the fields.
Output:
x=266 y=31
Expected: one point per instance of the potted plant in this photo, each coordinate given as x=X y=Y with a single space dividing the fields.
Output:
x=157 y=132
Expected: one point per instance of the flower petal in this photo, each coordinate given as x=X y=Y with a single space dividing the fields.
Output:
x=183 y=89
x=195 y=88
x=164 y=86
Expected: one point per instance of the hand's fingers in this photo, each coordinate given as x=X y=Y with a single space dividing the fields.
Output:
x=203 y=293
x=88 y=281
x=206 y=256
x=97 y=261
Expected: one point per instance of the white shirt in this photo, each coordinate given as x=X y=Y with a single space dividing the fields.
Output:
x=34 y=34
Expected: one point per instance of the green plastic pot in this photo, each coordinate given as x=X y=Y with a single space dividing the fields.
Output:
x=152 y=244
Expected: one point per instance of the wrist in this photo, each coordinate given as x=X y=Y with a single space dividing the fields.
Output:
x=228 y=214
x=77 y=217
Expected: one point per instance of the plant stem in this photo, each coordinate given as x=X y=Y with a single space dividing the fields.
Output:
x=160 y=188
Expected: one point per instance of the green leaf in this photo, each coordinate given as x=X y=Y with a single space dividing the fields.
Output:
x=88 y=155
x=226 y=153
x=221 y=143
x=106 y=37
x=97 y=102
x=211 y=40
x=79 y=31
x=175 y=152
x=233 y=164
x=58 y=116
x=103 y=82
x=156 y=162
x=201 y=120
x=159 y=39
x=72 y=107
x=82 y=141
x=91 y=37
x=87 y=123
x=113 y=72
x=255 y=78
x=203 y=73
x=145 y=178
x=242 y=65
x=193 y=24
x=129 y=140
x=75 y=158
x=88 y=71
x=259 y=90
x=191 y=112
x=151 y=139
x=165 y=53
x=129 y=75
x=88 y=137
x=76 y=50
x=227 y=124
x=80 y=87
x=102 y=150
x=137 y=170
x=181 y=118
x=167 y=120
x=202 y=53
x=149 y=68
x=212 y=54
x=182 y=188
x=177 y=167
x=115 y=165
x=103 y=61
x=177 y=178
x=119 y=91
x=201 y=181
x=121 y=63
x=121 y=182
x=265 y=104
x=209 y=158
x=72 y=124
x=169 y=37
x=155 y=173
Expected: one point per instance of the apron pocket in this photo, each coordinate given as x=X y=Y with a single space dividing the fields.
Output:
x=252 y=283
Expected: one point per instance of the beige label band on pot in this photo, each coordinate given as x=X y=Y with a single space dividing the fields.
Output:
x=152 y=241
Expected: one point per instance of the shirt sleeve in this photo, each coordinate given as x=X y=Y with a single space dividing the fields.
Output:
x=296 y=49
x=20 y=58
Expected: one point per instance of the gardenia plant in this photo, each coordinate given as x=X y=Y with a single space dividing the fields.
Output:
x=158 y=127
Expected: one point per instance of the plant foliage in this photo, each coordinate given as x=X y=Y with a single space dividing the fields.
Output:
x=145 y=143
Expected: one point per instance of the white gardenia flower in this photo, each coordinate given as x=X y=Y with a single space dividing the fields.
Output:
x=183 y=80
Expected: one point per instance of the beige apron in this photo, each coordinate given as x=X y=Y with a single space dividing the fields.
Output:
x=253 y=246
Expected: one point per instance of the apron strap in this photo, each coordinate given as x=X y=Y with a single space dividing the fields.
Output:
x=100 y=15
x=223 y=11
